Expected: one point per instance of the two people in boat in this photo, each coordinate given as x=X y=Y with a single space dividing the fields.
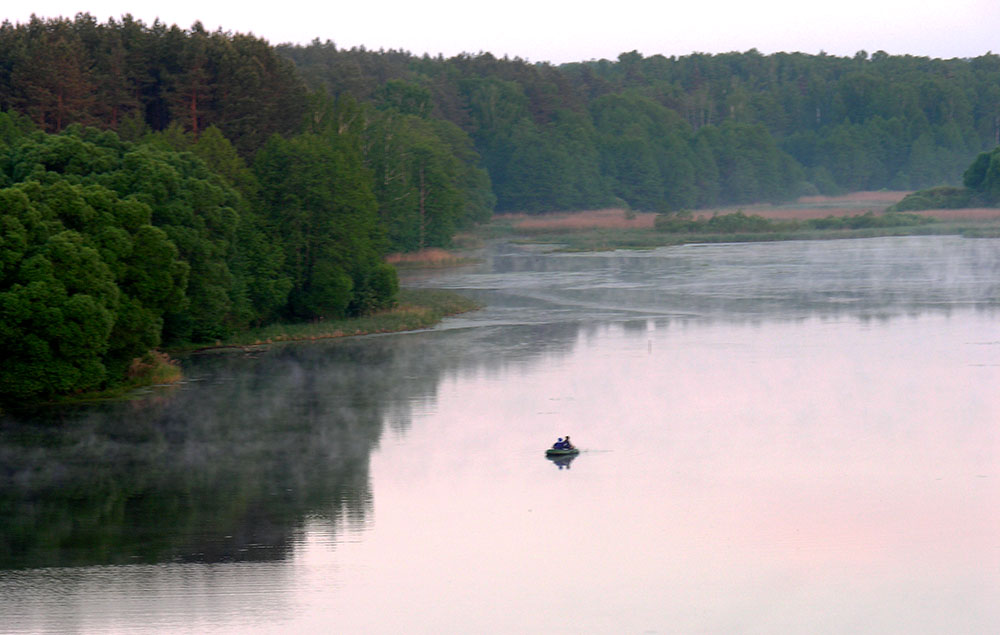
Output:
x=562 y=444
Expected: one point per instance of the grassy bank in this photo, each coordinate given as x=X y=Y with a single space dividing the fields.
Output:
x=416 y=309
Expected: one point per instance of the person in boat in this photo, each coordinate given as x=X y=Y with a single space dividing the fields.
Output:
x=562 y=444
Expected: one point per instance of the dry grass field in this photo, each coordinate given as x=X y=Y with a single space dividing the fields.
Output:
x=804 y=208
x=615 y=218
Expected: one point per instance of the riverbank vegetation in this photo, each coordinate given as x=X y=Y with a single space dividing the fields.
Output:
x=740 y=223
x=161 y=185
x=861 y=215
x=415 y=309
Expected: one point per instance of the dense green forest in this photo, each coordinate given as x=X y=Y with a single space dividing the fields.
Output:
x=111 y=247
x=661 y=133
x=161 y=185
x=655 y=133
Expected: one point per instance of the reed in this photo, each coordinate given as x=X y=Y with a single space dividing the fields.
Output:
x=155 y=367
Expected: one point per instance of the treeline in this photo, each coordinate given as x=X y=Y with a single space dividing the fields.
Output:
x=446 y=140
x=134 y=79
x=654 y=133
x=662 y=134
x=127 y=76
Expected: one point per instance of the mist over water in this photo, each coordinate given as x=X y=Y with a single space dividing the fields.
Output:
x=783 y=437
x=876 y=277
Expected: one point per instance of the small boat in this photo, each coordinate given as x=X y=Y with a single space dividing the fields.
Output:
x=562 y=451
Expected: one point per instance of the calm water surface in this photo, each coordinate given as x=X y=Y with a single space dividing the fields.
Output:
x=790 y=437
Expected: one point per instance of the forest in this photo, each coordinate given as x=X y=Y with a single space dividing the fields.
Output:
x=661 y=134
x=162 y=185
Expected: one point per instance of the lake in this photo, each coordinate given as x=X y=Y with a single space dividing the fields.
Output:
x=781 y=437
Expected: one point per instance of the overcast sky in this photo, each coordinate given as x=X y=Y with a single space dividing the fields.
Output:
x=541 y=30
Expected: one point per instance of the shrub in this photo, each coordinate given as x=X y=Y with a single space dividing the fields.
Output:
x=943 y=197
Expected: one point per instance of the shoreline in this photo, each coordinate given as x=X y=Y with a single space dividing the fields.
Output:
x=614 y=228
x=416 y=309
x=609 y=240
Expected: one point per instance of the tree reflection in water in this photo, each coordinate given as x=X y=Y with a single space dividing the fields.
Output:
x=228 y=466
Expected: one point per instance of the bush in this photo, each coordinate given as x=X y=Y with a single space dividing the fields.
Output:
x=943 y=197
x=738 y=222
x=734 y=223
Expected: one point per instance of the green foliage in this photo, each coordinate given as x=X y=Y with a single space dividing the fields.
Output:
x=539 y=174
x=221 y=157
x=740 y=223
x=737 y=222
x=107 y=248
x=416 y=179
x=128 y=76
x=404 y=98
x=983 y=177
x=646 y=152
x=110 y=247
x=657 y=133
x=471 y=180
x=982 y=187
x=943 y=197
x=316 y=194
x=197 y=211
x=84 y=282
x=750 y=165
x=692 y=131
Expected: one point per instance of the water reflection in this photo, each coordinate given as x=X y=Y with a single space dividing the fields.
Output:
x=223 y=469
x=227 y=466
x=562 y=462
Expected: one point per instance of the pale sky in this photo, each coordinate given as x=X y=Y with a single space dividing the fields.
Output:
x=558 y=32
